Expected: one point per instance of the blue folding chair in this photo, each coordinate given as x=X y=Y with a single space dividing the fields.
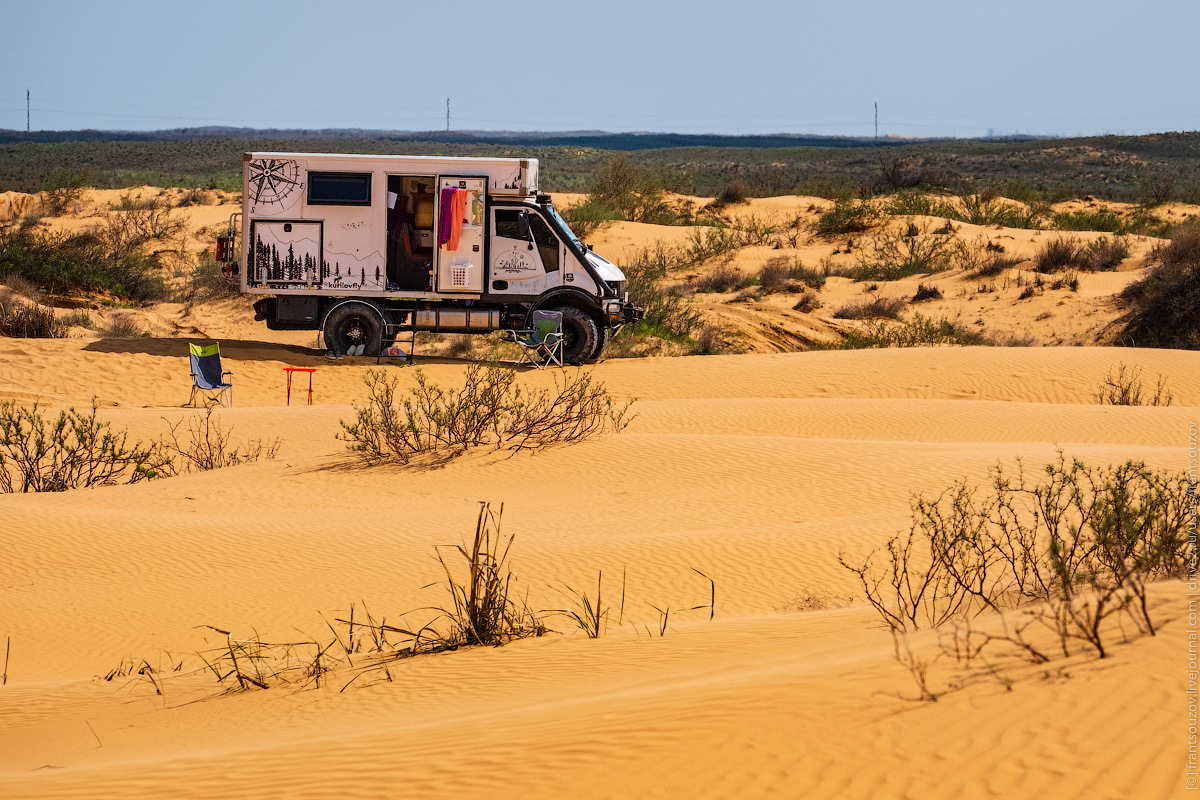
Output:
x=208 y=379
x=543 y=344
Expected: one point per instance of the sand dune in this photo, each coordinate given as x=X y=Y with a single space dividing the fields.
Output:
x=756 y=470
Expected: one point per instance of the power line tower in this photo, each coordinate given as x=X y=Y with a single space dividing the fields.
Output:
x=447 y=115
x=27 y=111
x=877 y=120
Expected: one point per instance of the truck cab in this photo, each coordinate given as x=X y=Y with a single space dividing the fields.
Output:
x=361 y=247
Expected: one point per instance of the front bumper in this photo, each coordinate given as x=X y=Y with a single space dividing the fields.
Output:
x=626 y=313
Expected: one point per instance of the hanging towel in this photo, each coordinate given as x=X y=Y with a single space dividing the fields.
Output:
x=453 y=206
x=456 y=221
x=445 y=214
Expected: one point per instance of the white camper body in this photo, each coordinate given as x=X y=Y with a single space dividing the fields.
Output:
x=360 y=246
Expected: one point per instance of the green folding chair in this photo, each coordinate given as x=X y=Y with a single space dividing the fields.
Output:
x=208 y=379
x=543 y=344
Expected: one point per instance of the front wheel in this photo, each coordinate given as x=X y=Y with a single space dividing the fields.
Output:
x=581 y=335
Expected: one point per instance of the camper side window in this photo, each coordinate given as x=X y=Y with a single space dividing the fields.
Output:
x=508 y=224
x=339 y=188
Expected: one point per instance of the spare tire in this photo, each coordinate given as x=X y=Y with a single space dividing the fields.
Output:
x=353 y=324
x=581 y=335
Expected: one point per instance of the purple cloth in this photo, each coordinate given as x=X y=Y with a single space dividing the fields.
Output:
x=445 y=215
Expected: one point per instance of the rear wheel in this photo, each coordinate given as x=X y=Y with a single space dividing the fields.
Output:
x=351 y=325
x=581 y=335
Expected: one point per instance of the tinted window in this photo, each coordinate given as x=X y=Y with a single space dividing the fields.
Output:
x=339 y=188
x=508 y=224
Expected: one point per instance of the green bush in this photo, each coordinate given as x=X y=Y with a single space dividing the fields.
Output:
x=878 y=308
x=1088 y=221
x=893 y=255
x=1105 y=253
x=490 y=410
x=915 y=204
x=590 y=216
x=1165 y=305
x=988 y=209
x=63 y=189
x=917 y=332
x=1059 y=253
x=645 y=279
x=848 y=216
x=64 y=262
x=74 y=450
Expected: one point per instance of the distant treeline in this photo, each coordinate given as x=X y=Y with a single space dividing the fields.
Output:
x=1151 y=169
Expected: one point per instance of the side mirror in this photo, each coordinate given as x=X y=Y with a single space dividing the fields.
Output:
x=523 y=227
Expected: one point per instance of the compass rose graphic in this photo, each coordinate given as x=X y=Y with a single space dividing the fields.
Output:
x=273 y=180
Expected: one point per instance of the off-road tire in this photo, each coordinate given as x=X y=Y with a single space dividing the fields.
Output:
x=353 y=324
x=601 y=343
x=581 y=335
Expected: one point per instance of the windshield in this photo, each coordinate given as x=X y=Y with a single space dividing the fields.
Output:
x=563 y=227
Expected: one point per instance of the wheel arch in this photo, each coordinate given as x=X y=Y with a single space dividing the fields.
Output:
x=345 y=301
x=566 y=296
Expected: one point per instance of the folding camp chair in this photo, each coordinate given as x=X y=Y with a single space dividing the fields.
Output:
x=543 y=345
x=207 y=375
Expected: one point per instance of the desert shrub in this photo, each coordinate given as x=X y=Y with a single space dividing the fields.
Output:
x=590 y=216
x=81 y=319
x=710 y=340
x=206 y=281
x=1165 y=305
x=488 y=410
x=898 y=173
x=916 y=204
x=1124 y=388
x=925 y=293
x=732 y=194
x=919 y=331
x=1068 y=279
x=783 y=274
x=27 y=321
x=1076 y=548
x=122 y=326
x=1158 y=188
x=1144 y=224
x=878 y=308
x=65 y=262
x=206 y=444
x=893 y=255
x=988 y=209
x=635 y=193
x=73 y=450
x=1059 y=253
x=1088 y=221
x=828 y=188
x=128 y=224
x=645 y=279
x=460 y=346
x=722 y=278
x=63 y=189
x=808 y=302
x=1105 y=253
x=848 y=216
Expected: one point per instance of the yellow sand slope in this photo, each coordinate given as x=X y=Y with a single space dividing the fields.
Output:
x=755 y=470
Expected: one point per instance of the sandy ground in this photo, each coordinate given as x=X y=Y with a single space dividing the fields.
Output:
x=756 y=470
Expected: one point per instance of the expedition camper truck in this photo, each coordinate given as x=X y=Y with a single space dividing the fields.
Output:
x=362 y=246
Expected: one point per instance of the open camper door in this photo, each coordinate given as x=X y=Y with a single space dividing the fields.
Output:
x=462 y=218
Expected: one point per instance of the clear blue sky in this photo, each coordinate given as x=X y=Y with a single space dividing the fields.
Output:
x=936 y=68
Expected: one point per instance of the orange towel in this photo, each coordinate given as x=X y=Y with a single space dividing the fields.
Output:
x=458 y=211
